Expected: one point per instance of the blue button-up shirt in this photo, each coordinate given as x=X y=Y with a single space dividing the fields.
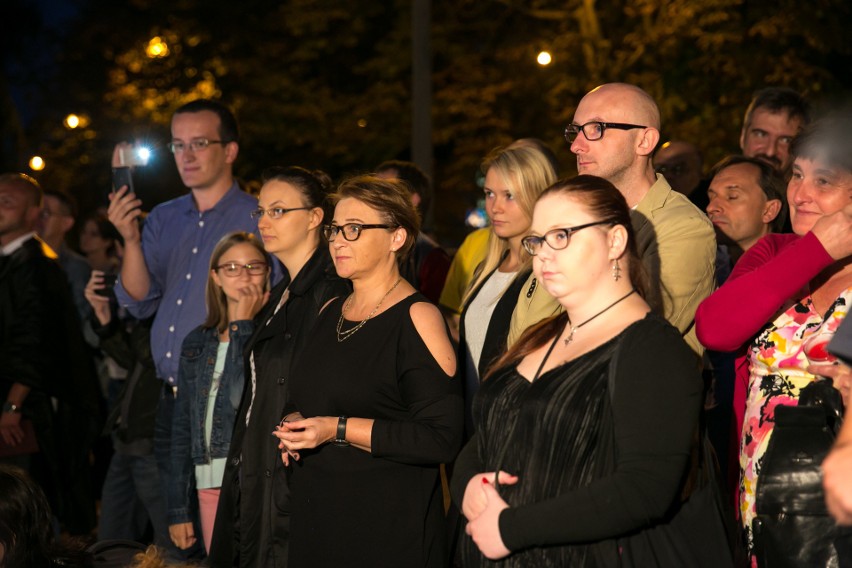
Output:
x=177 y=242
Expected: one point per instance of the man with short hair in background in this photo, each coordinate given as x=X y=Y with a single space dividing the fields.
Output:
x=57 y=219
x=746 y=202
x=773 y=118
x=43 y=355
x=427 y=265
x=165 y=266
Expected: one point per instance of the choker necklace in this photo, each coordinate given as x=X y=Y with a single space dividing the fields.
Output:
x=574 y=328
x=343 y=336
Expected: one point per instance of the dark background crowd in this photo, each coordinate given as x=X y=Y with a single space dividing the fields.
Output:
x=735 y=82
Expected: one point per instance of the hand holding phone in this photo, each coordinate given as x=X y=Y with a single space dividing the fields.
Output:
x=108 y=290
x=123 y=212
x=122 y=177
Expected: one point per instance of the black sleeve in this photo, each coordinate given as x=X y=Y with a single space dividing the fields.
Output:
x=114 y=341
x=656 y=405
x=467 y=465
x=433 y=431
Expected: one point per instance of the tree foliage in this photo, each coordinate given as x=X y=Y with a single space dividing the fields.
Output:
x=327 y=84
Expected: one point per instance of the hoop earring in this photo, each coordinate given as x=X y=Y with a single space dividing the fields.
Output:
x=616 y=270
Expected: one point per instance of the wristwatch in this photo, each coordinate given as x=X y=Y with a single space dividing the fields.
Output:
x=10 y=407
x=340 y=438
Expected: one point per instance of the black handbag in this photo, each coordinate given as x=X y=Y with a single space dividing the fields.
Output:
x=792 y=527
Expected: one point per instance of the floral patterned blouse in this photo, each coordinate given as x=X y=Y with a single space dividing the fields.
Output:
x=778 y=358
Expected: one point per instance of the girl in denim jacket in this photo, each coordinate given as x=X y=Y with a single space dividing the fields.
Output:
x=211 y=382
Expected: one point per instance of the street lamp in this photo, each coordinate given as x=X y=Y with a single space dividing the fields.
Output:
x=36 y=163
x=157 y=47
x=71 y=121
x=544 y=58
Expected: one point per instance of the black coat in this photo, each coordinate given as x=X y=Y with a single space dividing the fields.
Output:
x=252 y=521
x=42 y=346
x=132 y=416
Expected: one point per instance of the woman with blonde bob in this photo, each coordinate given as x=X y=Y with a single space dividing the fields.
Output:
x=584 y=428
x=514 y=178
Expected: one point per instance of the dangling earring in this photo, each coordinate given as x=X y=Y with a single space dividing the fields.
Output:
x=616 y=270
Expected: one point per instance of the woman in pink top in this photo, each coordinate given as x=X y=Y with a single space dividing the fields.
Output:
x=785 y=298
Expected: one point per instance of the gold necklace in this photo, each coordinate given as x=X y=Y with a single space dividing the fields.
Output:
x=343 y=336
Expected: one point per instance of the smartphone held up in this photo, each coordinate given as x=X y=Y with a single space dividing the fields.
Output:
x=124 y=160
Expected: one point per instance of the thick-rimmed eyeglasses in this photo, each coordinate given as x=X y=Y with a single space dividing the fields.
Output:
x=557 y=239
x=350 y=231
x=195 y=145
x=595 y=130
x=275 y=212
x=233 y=269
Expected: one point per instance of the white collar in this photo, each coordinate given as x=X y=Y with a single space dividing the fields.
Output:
x=16 y=244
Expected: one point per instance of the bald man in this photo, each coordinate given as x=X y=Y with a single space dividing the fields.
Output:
x=614 y=132
x=44 y=356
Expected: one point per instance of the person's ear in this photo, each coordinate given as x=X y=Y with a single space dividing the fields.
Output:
x=647 y=142
x=231 y=151
x=316 y=217
x=214 y=274
x=771 y=210
x=398 y=240
x=67 y=223
x=617 y=240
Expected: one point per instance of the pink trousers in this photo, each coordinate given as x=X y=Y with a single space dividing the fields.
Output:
x=208 y=500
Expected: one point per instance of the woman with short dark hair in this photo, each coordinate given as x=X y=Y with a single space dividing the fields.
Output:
x=376 y=408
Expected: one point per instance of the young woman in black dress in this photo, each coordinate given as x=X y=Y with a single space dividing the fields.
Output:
x=584 y=428
x=382 y=409
x=252 y=522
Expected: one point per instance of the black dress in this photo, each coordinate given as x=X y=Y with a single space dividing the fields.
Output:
x=252 y=519
x=600 y=449
x=379 y=508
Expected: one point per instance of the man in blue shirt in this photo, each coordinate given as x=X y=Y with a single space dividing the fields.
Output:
x=165 y=266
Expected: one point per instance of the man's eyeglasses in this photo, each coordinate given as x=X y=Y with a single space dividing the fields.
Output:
x=275 y=212
x=195 y=145
x=595 y=130
x=233 y=269
x=557 y=239
x=350 y=231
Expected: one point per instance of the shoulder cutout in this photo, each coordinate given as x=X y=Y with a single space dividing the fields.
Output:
x=430 y=325
x=324 y=306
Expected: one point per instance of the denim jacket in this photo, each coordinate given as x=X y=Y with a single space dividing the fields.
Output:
x=197 y=360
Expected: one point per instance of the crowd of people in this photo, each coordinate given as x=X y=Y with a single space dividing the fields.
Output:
x=633 y=366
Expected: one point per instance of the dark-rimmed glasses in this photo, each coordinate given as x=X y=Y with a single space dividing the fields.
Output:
x=595 y=130
x=232 y=269
x=557 y=239
x=195 y=145
x=351 y=231
x=275 y=212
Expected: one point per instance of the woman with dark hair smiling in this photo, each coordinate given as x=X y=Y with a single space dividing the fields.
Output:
x=375 y=406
